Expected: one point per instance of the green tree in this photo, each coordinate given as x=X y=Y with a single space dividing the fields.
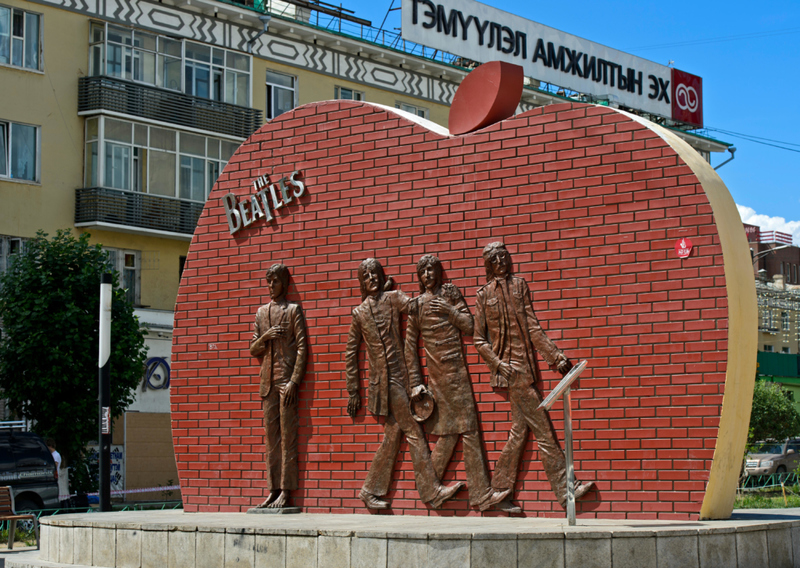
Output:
x=50 y=309
x=773 y=416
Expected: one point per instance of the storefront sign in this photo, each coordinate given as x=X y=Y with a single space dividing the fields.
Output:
x=482 y=33
x=266 y=198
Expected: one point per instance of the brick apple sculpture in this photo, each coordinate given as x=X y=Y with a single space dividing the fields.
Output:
x=590 y=202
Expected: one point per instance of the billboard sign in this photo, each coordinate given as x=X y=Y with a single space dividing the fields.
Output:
x=483 y=33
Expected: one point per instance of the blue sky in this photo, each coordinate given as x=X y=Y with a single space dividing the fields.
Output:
x=746 y=54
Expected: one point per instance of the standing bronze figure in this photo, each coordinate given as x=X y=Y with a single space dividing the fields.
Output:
x=440 y=315
x=279 y=336
x=507 y=336
x=377 y=322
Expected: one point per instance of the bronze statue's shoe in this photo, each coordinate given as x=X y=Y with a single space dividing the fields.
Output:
x=446 y=493
x=493 y=499
x=581 y=489
x=508 y=506
x=371 y=501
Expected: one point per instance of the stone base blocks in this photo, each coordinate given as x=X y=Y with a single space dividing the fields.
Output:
x=172 y=539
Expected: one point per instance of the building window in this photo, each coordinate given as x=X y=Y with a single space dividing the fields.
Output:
x=136 y=157
x=128 y=264
x=785 y=321
x=785 y=350
x=20 y=38
x=768 y=348
x=417 y=110
x=347 y=94
x=19 y=151
x=9 y=247
x=281 y=93
x=199 y=70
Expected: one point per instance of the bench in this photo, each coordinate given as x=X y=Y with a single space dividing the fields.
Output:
x=7 y=513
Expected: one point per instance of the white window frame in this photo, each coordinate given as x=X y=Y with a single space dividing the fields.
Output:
x=25 y=38
x=6 y=138
x=102 y=143
x=6 y=243
x=356 y=95
x=116 y=260
x=272 y=86
x=417 y=110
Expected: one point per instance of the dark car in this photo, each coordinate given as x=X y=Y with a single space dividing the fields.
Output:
x=28 y=467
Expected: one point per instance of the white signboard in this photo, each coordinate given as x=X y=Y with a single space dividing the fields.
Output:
x=482 y=33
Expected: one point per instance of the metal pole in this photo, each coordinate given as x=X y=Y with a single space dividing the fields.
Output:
x=104 y=394
x=570 y=465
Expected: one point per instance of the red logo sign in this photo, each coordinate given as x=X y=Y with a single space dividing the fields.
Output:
x=684 y=248
x=687 y=97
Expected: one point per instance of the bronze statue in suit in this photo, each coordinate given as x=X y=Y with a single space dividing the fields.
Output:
x=376 y=321
x=439 y=315
x=279 y=338
x=507 y=336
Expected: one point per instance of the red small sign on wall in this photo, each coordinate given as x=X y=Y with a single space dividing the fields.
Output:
x=684 y=248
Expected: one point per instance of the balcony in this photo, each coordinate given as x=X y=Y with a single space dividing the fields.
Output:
x=132 y=212
x=137 y=100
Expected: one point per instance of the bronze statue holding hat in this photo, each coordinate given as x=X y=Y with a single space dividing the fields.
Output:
x=439 y=315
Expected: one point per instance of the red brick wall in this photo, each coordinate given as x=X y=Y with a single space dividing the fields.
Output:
x=589 y=203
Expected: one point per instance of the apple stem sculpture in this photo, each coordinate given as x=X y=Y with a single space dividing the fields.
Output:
x=562 y=388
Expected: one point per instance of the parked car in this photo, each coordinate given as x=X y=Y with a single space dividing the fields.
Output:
x=28 y=467
x=774 y=457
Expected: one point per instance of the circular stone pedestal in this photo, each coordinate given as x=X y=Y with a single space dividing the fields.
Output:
x=173 y=539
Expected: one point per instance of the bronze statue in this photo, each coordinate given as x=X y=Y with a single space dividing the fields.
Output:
x=377 y=322
x=440 y=315
x=507 y=336
x=279 y=336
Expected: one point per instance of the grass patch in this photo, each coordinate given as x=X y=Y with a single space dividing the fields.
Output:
x=767 y=500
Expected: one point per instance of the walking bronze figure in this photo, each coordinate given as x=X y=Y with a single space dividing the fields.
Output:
x=376 y=321
x=507 y=336
x=279 y=337
x=439 y=315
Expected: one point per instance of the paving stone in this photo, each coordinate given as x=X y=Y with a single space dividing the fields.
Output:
x=445 y=553
x=129 y=548
x=540 y=553
x=240 y=550
x=209 y=549
x=301 y=552
x=407 y=553
x=333 y=552
x=779 y=545
x=82 y=537
x=633 y=552
x=587 y=552
x=494 y=553
x=104 y=547
x=155 y=549
x=751 y=549
x=678 y=551
x=368 y=552
x=717 y=550
x=270 y=551
x=181 y=549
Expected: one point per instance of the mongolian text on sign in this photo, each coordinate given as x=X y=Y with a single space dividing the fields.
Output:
x=483 y=33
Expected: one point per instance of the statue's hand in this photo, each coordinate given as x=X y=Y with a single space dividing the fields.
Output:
x=440 y=307
x=353 y=404
x=506 y=371
x=418 y=391
x=273 y=333
x=563 y=364
x=289 y=394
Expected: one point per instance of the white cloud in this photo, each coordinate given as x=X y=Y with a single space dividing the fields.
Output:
x=767 y=223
